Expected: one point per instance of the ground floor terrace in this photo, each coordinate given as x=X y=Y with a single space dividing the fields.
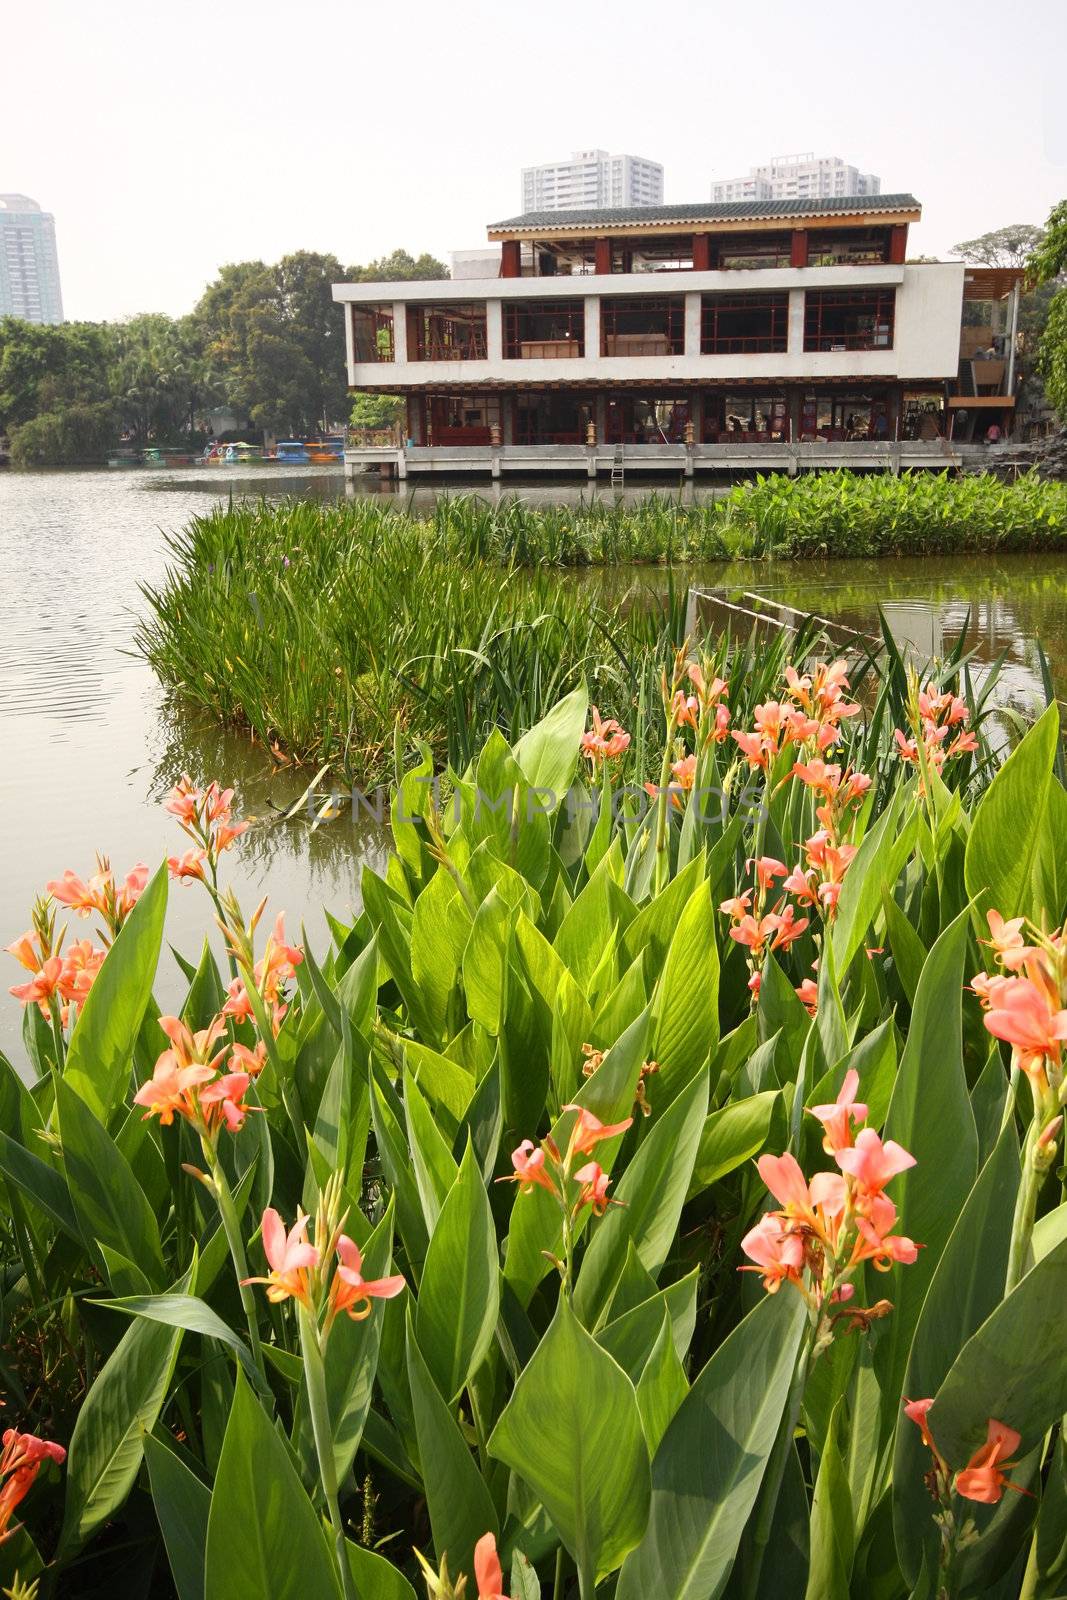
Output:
x=670 y=429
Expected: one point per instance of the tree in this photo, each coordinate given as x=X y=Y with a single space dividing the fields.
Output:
x=1002 y=247
x=399 y=267
x=1047 y=266
x=81 y=435
x=376 y=410
x=44 y=368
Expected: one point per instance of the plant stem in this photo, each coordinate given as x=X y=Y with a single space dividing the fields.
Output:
x=232 y=1229
x=321 y=1427
x=57 y=1034
x=772 y=1482
x=1025 y=1210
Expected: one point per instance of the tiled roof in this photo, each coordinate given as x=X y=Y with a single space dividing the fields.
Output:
x=706 y=211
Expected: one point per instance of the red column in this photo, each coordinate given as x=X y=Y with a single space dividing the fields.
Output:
x=898 y=244
x=602 y=256
x=510 y=259
x=701 y=252
x=798 y=248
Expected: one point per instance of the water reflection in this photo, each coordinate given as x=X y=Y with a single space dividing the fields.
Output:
x=91 y=743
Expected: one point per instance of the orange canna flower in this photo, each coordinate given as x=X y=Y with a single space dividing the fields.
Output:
x=837 y=1119
x=222 y=1100
x=588 y=1131
x=873 y=1163
x=172 y=1088
x=1025 y=1015
x=238 y=1005
x=350 y=1292
x=21 y=1460
x=777 y=1252
x=767 y=869
x=605 y=741
x=530 y=1171
x=808 y=995
x=487 y=1573
x=72 y=891
x=756 y=750
x=42 y=986
x=594 y=1191
x=289 y=1257
x=984 y=1478
x=916 y=1411
x=187 y=866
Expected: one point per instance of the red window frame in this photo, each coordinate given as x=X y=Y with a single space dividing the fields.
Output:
x=453 y=332
x=715 y=339
x=637 y=315
x=877 y=308
x=563 y=320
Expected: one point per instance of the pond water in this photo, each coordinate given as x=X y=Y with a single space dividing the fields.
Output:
x=90 y=746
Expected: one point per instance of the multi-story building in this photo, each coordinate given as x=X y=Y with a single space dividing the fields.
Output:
x=29 y=266
x=800 y=177
x=592 y=178
x=780 y=333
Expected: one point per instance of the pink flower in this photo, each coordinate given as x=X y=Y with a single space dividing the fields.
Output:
x=873 y=1163
x=238 y=1005
x=42 y=986
x=594 y=1191
x=183 y=800
x=916 y=1411
x=350 y=1292
x=767 y=869
x=837 y=1119
x=785 y=1179
x=753 y=747
x=1026 y=1017
x=172 y=1088
x=738 y=906
x=808 y=995
x=787 y=929
x=984 y=1478
x=530 y=1170
x=605 y=741
x=289 y=1257
x=799 y=883
x=777 y=1252
x=188 y=865
x=21 y=1461
x=223 y=1099
x=72 y=891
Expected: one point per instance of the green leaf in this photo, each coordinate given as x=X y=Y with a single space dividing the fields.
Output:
x=459 y=1295
x=730 y=1137
x=548 y=753
x=263 y=1535
x=182 y=1503
x=431 y=1159
x=102 y=1044
x=874 y=870
x=181 y=1311
x=661 y=1387
x=686 y=1001
x=110 y=1203
x=650 y=1193
x=457 y=1498
x=41 y=1183
x=930 y=1115
x=965 y=1290
x=709 y=1467
x=374 y=1577
x=832 y=1537
x=631 y=1336
x=352 y=1356
x=485 y=963
x=1008 y=1369
x=1009 y=824
x=122 y=1406
x=572 y=1431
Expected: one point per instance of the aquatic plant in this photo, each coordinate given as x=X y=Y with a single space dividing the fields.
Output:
x=633 y=1200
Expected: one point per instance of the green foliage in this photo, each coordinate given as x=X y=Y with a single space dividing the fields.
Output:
x=596 y=1386
x=82 y=435
x=1010 y=246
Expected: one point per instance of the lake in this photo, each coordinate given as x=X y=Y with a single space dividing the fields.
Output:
x=91 y=746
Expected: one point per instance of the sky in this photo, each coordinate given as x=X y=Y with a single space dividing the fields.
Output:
x=168 y=140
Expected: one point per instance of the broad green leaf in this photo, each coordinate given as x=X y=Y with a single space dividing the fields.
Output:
x=1009 y=825
x=686 y=1002
x=1008 y=1369
x=108 y=1439
x=263 y=1534
x=661 y=1387
x=1051 y=1538
x=908 y=950
x=182 y=1503
x=708 y=1469
x=352 y=1355
x=572 y=1431
x=181 y=1311
x=432 y=1161
x=485 y=963
x=650 y=1196
x=459 y=1295
x=730 y=1137
x=102 y=1044
x=631 y=1336
x=460 y=1506
x=41 y=1184
x=832 y=1536
x=548 y=753
x=930 y=1115
x=376 y=1578
x=964 y=1291
x=110 y=1203
x=874 y=870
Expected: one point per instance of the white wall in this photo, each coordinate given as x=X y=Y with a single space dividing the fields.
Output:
x=925 y=343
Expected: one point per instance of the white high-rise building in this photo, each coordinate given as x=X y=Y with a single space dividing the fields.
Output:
x=799 y=177
x=29 y=266
x=592 y=178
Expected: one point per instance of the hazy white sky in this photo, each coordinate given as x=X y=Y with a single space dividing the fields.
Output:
x=168 y=139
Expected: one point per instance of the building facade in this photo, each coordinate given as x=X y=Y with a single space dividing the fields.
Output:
x=29 y=265
x=592 y=178
x=799 y=177
x=782 y=331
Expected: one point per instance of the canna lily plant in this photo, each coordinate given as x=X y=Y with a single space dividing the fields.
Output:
x=583 y=1221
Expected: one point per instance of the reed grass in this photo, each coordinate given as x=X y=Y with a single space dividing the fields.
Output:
x=321 y=627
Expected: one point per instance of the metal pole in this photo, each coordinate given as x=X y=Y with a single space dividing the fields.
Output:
x=1012 y=338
